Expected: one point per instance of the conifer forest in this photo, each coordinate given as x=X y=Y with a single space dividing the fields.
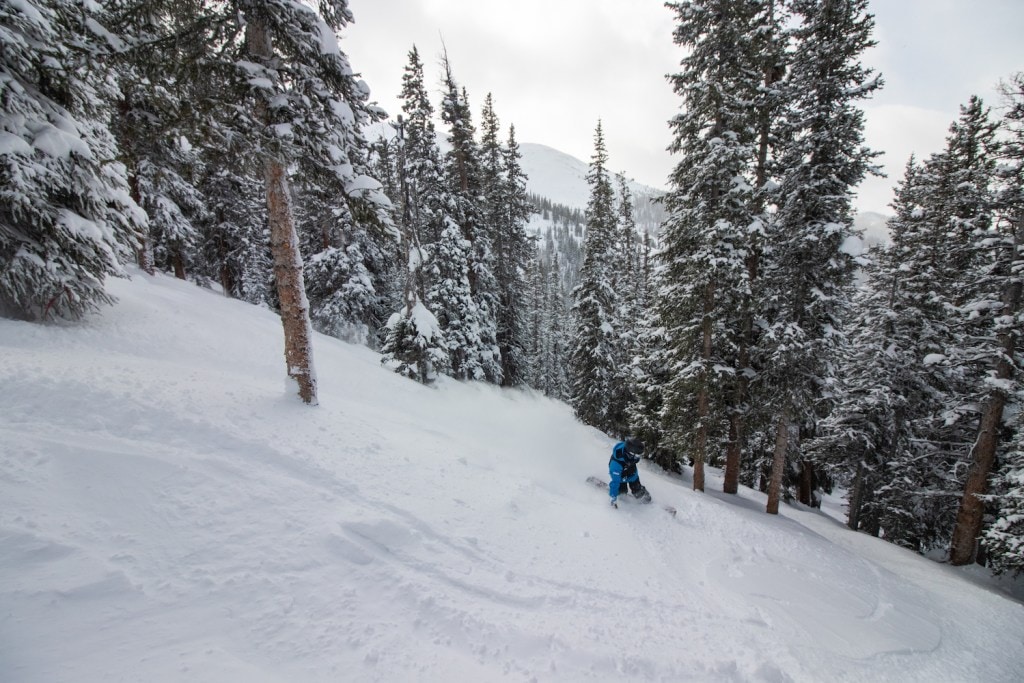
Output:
x=232 y=144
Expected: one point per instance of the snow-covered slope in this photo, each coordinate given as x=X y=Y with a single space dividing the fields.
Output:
x=170 y=514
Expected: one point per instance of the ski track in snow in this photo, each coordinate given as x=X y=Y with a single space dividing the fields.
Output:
x=170 y=515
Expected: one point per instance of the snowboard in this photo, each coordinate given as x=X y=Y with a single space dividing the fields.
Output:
x=601 y=484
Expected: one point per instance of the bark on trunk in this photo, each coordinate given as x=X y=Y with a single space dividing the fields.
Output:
x=143 y=249
x=284 y=246
x=731 y=481
x=806 y=482
x=778 y=463
x=291 y=288
x=703 y=409
x=179 y=265
x=970 y=516
x=856 y=498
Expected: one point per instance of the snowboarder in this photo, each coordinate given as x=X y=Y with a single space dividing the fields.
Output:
x=622 y=470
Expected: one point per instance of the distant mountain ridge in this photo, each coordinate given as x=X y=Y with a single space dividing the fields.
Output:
x=562 y=178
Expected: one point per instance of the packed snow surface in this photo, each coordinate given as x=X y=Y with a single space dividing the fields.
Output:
x=170 y=514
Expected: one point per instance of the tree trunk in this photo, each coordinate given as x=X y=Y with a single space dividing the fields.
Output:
x=806 y=492
x=730 y=484
x=778 y=462
x=284 y=246
x=291 y=288
x=856 y=497
x=143 y=250
x=703 y=409
x=969 y=518
x=972 y=509
x=179 y=265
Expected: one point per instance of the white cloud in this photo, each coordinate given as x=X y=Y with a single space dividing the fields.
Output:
x=555 y=66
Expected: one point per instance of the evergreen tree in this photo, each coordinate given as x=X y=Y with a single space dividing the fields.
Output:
x=473 y=337
x=235 y=241
x=705 y=235
x=873 y=439
x=66 y=219
x=452 y=297
x=994 y=306
x=419 y=353
x=594 y=352
x=823 y=159
x=513 y=250
x=624 y=274
x=308 y=111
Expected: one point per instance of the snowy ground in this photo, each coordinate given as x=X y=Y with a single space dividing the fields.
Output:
x=169 y=514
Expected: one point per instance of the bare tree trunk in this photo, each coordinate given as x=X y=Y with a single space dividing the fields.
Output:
x=731 y=481
x=778 y=462
x=970 y=516
x=856 y=497
x=703 y=410
x=291 y=289
x=284 y=245
x=143 y=249
x=179 y=265
x=806 y=481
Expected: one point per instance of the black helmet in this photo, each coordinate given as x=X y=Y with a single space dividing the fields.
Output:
x=634 y=446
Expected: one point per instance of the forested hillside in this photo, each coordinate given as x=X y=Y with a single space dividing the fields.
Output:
x=741 y=320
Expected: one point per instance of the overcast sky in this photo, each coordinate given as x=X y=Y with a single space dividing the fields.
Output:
x=555 y=66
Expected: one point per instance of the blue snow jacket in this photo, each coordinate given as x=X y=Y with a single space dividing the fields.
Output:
x=621 y=468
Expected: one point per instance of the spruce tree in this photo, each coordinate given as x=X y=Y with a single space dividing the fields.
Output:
x=419 y=353
x=822 y=160
x=513 y=252
x=473 y=340
x=594 y=352
x=705 y=236
x=996 y=225
x=871 y=439
x=308 y=110
x=66 y=217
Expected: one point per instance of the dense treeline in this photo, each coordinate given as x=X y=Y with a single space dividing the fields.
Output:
x=761 y=354
x=224 y=143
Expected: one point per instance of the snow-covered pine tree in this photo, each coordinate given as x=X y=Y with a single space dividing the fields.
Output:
x=709 y=204
x=160 y=131
x=624 y=275
x=514 y=250
x=474 y=344
x=547 y=323
x=452 y=298
x=309 y=108
x=594 y=347
x=164 y=171
x=767 y=110
x=917 y=498
x=418 y=353
x=868 y=441
x=650 y=365
x=1004 y=538
x=996 y=222
x=823 y=158
x=505 y=211
x=235 y=240
x=66 y=217
x=556 y=349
